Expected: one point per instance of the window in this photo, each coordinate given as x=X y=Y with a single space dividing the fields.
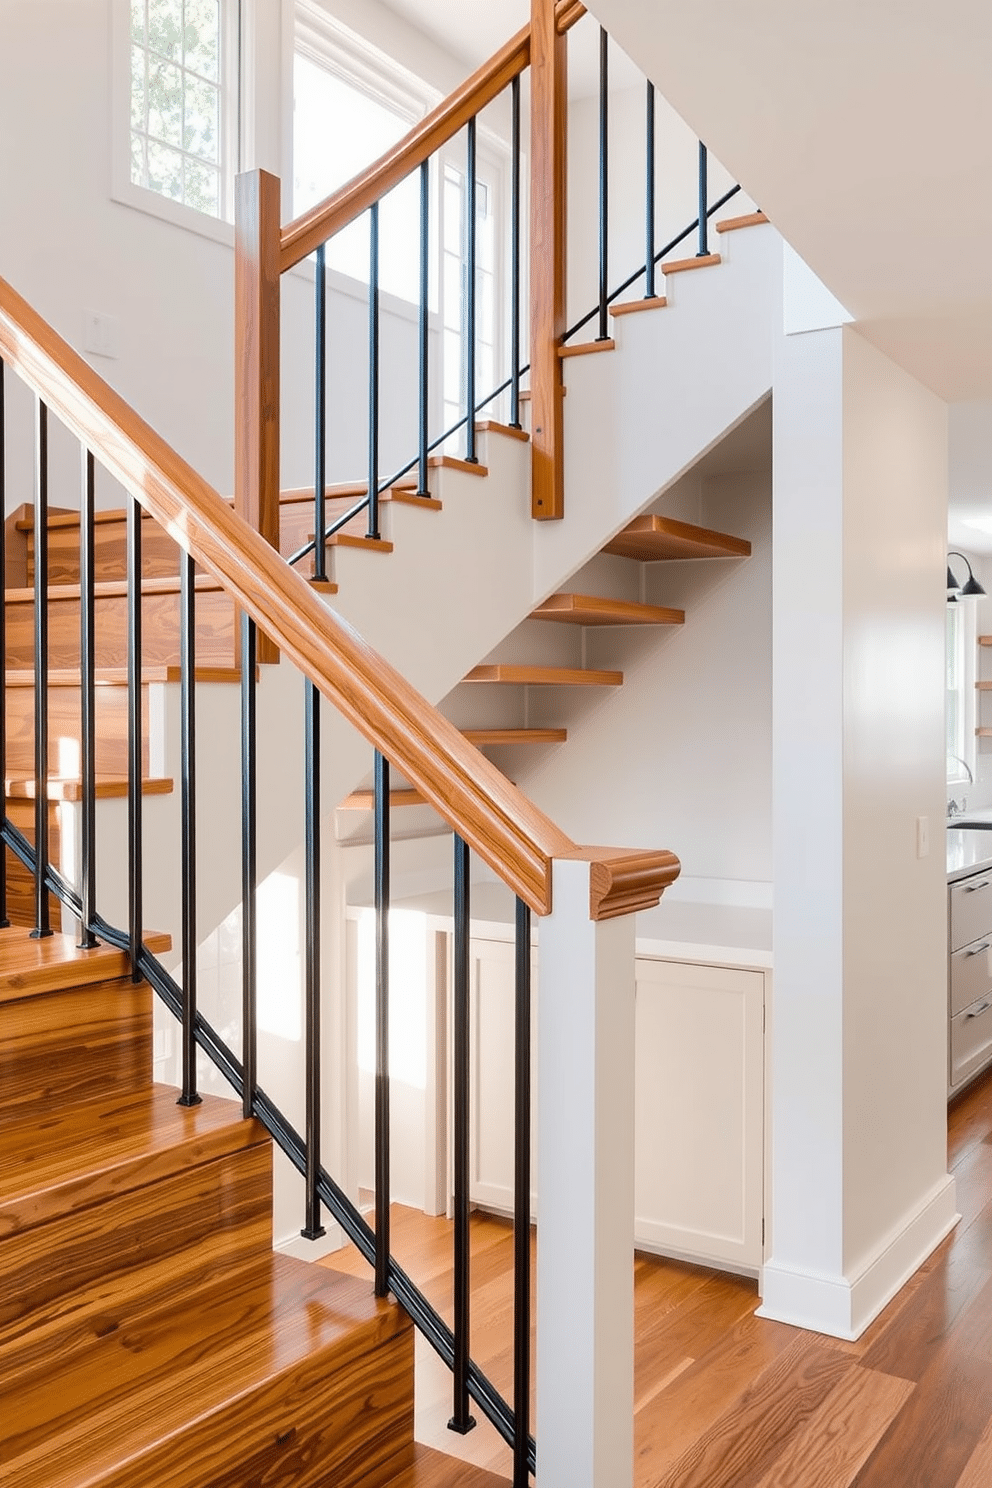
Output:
x=960 y=691
x=453 y=278
x=183 y=90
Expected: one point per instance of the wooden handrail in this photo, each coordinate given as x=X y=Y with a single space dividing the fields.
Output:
x=506 y=830
x=304 y=234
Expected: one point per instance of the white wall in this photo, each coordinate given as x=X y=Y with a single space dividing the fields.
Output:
x=676 y=184
x=680 y=755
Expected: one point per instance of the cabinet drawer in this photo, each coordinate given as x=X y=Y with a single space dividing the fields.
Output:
x=971 y=1041
x=971 y=909
x=971 y=975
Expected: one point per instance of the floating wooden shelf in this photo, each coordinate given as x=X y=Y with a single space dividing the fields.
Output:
x=632 y=307
x=593 y=609
x=652 y=537
x=545 y=676
x=749 y=219
x=482 y=737
x=364 y=800
x=108 y=787
x=587 y=348
x=684 y=265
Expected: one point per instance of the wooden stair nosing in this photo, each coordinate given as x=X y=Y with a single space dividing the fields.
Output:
x=451 y=462
x=492 y=426
x=634 y=307
x=734 y=224
x=115 y=589
x=686 y=265
x=75 y=1156
x=510 y=736
x=544 y=676
x=34 y=967
x=62 y=788
x=363 y=544
x=586 y=348
x=262 y=1363
x=594 y=609
x=19 y=677
x=653 y=538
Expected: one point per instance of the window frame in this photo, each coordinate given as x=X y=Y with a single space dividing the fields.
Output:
x=123 y=190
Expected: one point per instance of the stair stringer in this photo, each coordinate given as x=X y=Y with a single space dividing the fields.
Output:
x=680 y=379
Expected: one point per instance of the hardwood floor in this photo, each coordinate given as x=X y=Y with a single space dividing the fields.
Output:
x=724 y=1399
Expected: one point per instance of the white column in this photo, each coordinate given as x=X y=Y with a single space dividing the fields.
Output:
x=859 y=1188
x=585 y=1233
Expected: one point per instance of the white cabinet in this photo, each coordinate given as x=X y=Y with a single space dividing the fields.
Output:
x=699 y=1102
x=969 y=978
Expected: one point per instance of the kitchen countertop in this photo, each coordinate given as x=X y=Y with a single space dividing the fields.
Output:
x=676 y=930
x=968 y=851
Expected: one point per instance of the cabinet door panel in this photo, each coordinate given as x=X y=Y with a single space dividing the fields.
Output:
x=971 y=1041
x=971 y=909
x=698 y=1163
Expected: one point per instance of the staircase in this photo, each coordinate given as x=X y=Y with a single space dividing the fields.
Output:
x=148 y=1334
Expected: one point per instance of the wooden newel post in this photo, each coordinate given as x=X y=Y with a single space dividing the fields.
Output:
x=548 y=134
x=257 y=207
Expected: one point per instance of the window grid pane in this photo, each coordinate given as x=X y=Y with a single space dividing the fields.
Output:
x=176 y=100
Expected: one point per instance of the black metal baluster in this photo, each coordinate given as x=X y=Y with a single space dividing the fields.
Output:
x=521 y=1202
x=470 y=237
x=461 y=1421
x=649 y=208
x=134 y=721
x=604 y=187
x=704 y=221
x=4 y=920
x=515 y=254
x=425 y=291
x=313 y=1228
x=187 y=707
x=374 y=370
x=249 y=937
x=87 y=703
x=381 y=1025
x=43 y=926
x=320 y=416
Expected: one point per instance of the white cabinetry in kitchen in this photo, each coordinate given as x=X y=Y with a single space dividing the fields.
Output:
x=969 y=977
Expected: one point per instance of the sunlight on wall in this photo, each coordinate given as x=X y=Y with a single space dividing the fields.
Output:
x=280 y=973
x=407 y=996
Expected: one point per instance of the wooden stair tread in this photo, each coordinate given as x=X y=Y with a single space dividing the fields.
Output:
x=594 y=609
x=451 y=462
x=749 y=219
x=108 y=787
x=685 y=265
x=74 y=1156
x=483 y=736
x=30 y=968
x=985 y=640
x=368 y=544
x=492 y=426
x=252 y=1347
x=116 y=589
x=632 y=307
x=431 y=1469
x=586 y=348
x=652 y=537
x=544 y=675
x=117 y=676
x=364 y=800
x=344 y=493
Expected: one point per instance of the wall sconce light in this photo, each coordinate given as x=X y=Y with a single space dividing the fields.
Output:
x=972 y=588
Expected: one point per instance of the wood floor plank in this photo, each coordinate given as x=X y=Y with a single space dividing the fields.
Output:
x=757 y=1427
x=841 y=1435
x=938 y=1429
x=978 y=1471
x=431 y=1469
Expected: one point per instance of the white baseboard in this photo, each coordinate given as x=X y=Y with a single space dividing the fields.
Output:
x=844 y=1306
x=311 y=1250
